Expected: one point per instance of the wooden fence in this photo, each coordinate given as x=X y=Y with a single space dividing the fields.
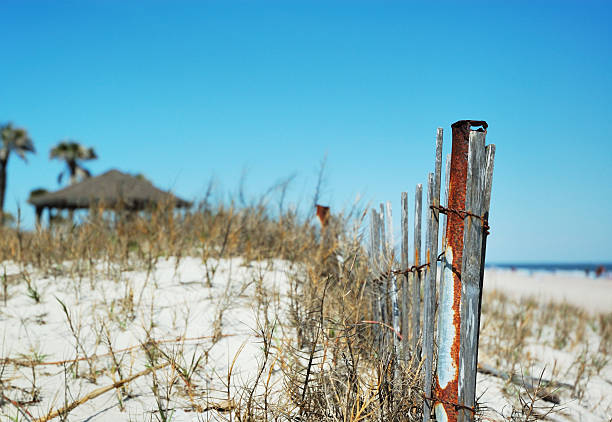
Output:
x=417 y=302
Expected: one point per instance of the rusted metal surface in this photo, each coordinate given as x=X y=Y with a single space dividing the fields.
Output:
x=323 y=214
x=449 y=321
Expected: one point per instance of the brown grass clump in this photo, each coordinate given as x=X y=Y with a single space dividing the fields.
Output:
x=336 y=373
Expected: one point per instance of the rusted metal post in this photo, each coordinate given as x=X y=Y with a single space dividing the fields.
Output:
x=323 y=214
x=449 y=316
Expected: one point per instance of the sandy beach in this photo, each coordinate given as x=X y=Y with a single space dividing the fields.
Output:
x=594 y=295
x=547 y=330
x=220 y=326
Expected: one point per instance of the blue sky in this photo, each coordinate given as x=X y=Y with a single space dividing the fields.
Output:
x=183 y=90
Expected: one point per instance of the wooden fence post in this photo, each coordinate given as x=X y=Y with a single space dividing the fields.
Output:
x=478 y=196
x=429 y=305
x=416 y=276
x=490 y=154
x=381 y=229
x=385 y=285
x=375 y=289
x=470 y=274
x=404 y=278
x=392 y=280
x=446 y=186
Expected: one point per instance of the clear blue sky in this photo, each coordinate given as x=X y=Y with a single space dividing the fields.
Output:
x=181 y=91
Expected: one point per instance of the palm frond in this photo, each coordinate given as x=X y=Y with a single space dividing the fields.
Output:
x=69 y=150
x=16 y=139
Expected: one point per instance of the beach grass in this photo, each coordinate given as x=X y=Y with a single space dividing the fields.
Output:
x=230 y=312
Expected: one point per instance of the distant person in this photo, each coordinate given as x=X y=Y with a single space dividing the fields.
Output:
x=600 y=270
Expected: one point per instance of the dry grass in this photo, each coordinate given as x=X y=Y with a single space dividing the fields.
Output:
x=316 y=362
x=316 y=358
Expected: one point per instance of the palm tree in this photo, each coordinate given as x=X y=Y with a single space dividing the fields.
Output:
x=13 y=139
x=73 y=153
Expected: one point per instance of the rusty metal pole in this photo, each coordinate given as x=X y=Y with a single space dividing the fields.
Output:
x=449 y=317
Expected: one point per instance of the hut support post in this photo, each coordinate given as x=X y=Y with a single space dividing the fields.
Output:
x=39 y=211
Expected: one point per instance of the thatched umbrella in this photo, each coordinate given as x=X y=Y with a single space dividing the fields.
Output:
x=112 y=189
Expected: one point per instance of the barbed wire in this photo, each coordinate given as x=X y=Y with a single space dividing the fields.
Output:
x=462 y=214
x=456 y=406
x=406 y=271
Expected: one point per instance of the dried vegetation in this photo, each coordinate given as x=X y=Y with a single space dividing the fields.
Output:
x=311 y=353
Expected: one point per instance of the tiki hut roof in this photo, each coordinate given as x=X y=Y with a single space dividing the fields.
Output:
x=111 y=189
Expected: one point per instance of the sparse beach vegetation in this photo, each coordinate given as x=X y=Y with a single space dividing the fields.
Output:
x=242 y=313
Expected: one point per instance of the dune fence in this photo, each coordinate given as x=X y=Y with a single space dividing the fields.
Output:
x=430 y=315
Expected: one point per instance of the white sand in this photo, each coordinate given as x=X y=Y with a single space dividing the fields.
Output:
x=183 y=305
x=593 y=402
x=175 y=300
x=593 y=295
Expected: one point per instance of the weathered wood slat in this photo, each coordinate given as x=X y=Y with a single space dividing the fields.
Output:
x=429 y=305
x=446 y=187
x=390 y=239
x=383 y=286
x=404 y=278
x=416 y=276
x=395 y=310
x=383 y=240
x=374 y=288
x=470 y=274
x=490 y=159
x=375 y=238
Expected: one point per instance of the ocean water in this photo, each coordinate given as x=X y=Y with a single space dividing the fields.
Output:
x=581 y=268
